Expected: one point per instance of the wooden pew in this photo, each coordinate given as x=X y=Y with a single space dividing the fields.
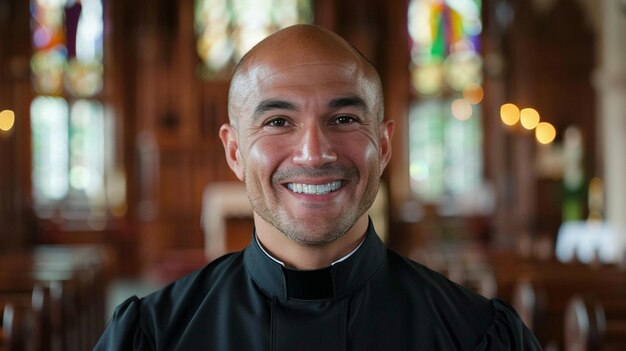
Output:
x=596 y=322
x=541 y=296
x=467 y=265
x=44 y=330
x=509 y=267
x=26 y=321
x=72 y=282
x=15 y=330
x=43 y=337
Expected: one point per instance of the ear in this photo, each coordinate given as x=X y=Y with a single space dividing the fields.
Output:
x=230 y=140
x=386 y=133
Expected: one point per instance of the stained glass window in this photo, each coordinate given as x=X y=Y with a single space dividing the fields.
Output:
x=227 y=29
x=49 y=120
x=445 y=119
x=67 y=117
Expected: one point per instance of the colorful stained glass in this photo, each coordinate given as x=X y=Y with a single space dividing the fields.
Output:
x=67 y=39
x=68 y=122
x=48 y=68
x=445 y=152
x=227 y=29
x=445 y=43
x=445 y=134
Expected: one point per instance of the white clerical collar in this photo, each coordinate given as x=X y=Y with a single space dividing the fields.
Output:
x=283 y=264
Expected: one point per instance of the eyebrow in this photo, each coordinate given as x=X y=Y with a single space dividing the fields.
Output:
x=273 y=104
x=348 y=101
x=277 y=104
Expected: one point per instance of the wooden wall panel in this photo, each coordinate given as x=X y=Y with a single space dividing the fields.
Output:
x=17 y=230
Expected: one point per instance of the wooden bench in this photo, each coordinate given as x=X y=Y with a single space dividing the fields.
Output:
x=541 y=296
x=466 y=265
x=70 y=283
x=15 y=329
x=596 y=322
x=26 y=322
x=54 y=304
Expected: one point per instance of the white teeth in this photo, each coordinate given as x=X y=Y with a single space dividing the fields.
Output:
x=312 y=189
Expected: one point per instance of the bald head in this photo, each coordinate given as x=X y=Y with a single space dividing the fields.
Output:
x=305 y=110
x=300 y=45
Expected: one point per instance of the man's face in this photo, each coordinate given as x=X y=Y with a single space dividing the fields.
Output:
x=309 y=145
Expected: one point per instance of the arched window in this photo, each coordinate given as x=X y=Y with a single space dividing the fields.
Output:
x=227 y=29
x=70 y=129
x=445 y=130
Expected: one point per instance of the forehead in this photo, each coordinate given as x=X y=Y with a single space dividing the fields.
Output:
x=310 y=82
x=303 y=62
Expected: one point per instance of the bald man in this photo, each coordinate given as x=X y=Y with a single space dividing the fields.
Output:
x=306 y=135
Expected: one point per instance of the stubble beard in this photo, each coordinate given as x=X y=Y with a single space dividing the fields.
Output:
x=307 y=233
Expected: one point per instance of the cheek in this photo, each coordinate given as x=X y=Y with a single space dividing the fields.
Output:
x=263 y=157
x=364 y=155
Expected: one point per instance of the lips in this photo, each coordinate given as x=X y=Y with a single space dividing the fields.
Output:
x=314 y=189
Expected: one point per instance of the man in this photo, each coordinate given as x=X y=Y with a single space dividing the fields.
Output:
x=308 y=138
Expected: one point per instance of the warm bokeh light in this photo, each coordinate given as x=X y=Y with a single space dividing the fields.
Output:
x=509 y=113
x=473 y=93
x=428 y=79
x=461 y=109
x=7 y=120
x=545 y=133
x=529 y=118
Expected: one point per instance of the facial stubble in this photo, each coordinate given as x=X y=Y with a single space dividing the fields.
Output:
x=319 y=233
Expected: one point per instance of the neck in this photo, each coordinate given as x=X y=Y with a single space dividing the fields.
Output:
x=296 y=255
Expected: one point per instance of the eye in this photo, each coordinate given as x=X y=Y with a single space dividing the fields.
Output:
x=344 y=119
x=277 y=122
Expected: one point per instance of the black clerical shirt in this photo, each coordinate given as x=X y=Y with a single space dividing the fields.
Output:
x=373 y=300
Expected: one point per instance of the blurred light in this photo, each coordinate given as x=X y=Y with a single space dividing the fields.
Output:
x=97 y=220
x=7 y=120
x=49 y=128
x=79 y=177
x=529 y=118
x=428 y=79
x=473 y=93
x=461 y=109
x=419 y=170
x=41 y=37
x=545 y=133
x=509 y=113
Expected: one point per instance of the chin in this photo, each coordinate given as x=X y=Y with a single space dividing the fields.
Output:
x=315 y=240
x=315 y=233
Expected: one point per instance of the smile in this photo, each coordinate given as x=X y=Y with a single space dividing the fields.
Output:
x=314 y=189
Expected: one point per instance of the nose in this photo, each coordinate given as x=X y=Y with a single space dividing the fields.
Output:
x=313 y=148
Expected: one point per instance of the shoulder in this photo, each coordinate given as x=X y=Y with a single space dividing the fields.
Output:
x=441 y=300
x=466 y=315
x=122 y=328
x=424 y=281
x=142 y=323
x=171 y=308
x=190 y=290
x=507 y=331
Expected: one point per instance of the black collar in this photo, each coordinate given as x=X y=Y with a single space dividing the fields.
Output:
x=332 y=282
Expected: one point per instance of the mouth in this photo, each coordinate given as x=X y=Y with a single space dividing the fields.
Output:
x=314 y=189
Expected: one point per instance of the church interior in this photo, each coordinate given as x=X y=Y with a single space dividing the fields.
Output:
x=507 y=174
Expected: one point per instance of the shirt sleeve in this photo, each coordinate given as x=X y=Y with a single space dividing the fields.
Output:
x=507 y=331
x=123 y=331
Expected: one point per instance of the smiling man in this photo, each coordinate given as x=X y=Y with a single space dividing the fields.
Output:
x=308 y=138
